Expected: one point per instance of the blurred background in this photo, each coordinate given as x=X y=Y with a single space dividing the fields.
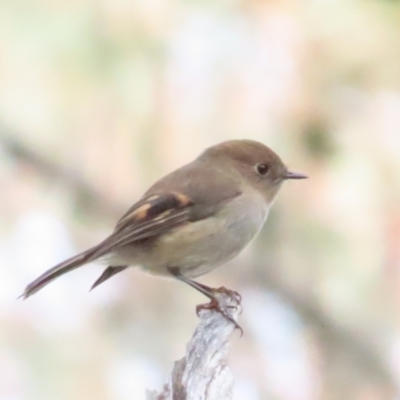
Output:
x=99 y=98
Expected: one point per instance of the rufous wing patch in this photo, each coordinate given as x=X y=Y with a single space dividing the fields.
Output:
x=141 y=212
x=138 y=214
x=156 y=207
x=183 y=200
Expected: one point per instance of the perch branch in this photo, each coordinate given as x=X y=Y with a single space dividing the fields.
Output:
x=203 y=374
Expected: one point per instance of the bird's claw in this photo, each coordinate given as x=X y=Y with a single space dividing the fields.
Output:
x=216 y=305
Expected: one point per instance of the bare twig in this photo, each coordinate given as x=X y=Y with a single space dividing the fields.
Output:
x=203 y=373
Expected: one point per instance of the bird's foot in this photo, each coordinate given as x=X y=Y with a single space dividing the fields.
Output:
x=224 y=301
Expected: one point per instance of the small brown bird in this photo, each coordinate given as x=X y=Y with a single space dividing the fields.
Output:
x=192 y=220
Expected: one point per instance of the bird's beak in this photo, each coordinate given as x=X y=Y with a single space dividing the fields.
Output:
x=295 y=175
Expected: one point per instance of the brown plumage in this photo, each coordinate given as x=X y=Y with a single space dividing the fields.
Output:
x=192 y=220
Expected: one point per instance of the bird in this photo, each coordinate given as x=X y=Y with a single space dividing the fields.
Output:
x=192 y=220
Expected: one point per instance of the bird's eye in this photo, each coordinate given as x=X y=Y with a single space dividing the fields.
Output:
x=262 y=169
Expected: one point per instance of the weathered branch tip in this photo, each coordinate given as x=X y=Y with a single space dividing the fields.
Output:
x=203 y=373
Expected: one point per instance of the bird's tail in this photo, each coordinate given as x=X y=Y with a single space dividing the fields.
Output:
x=61 y=269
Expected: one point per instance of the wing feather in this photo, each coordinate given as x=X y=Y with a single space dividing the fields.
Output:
x=141 y=230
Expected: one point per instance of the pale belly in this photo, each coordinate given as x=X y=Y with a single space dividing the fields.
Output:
x=199 y=247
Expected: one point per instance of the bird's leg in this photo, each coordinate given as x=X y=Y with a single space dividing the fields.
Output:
x=212 y=294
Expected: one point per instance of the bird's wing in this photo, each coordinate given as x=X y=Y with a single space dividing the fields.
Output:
x=150 y=217
x=187 y=195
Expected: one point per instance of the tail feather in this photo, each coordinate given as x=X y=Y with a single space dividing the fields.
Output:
x=108 y=273
x=60 y=269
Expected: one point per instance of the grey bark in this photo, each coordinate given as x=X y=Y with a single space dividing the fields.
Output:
x=203 y=374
